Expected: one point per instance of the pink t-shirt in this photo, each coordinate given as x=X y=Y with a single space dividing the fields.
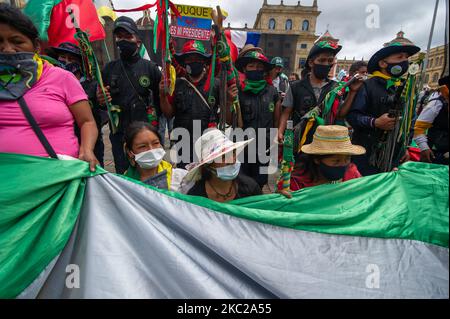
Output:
x=48 y=100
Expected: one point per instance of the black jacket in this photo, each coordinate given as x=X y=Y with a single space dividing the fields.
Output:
x=145 y=77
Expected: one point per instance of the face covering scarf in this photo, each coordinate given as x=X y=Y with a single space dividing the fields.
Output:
x=333 y=173
x=18 y=73
x=127 y=49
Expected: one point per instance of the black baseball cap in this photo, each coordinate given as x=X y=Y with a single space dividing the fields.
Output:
x=127 y=24
x=67 y=47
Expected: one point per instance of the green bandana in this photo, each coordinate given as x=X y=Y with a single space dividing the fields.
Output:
x=254 y=86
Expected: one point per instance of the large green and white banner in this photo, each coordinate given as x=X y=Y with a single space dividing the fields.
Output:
x=68 y=233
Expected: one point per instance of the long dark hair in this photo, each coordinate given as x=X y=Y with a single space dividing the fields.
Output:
x=134 y=128
x=19 y=21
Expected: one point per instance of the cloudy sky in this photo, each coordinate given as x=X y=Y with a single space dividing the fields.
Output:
x=346 y=20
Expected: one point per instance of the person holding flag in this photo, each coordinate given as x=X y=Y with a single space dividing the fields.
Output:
x=132 y=86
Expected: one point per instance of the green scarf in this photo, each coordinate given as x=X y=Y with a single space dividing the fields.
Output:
x=254 y=86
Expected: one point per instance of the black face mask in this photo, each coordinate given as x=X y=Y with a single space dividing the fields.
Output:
x=397 y=69
x=256 y=75
x=332 y=173
x=194 y=69
x=73 y=67
x=127 y=49
x=321 y=71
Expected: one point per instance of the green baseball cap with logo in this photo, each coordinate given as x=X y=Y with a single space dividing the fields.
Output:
x=277 y=61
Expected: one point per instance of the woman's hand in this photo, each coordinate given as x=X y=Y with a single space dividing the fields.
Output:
x=286 y=194
x=88 y=156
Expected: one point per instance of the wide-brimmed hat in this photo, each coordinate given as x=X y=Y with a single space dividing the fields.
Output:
x=190 y=48
x=324 y=46
x=252 y=56
x=248 y=48
x=210 y=146
x=67 y=47
x=332 y=140
x=389 y=49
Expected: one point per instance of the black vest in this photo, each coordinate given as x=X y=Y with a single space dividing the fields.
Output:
x=134 y=96
x=377 y=97
x=304 y=97
x=438 y=133
x=257 y=109
x=377 y=105
x=189 y=106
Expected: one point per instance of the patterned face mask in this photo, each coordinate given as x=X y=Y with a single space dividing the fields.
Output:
x=18 y=73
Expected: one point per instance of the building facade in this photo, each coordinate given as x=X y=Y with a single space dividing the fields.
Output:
x=344 y=64
x=15 y=3
x=437 y=61
x=287 y=31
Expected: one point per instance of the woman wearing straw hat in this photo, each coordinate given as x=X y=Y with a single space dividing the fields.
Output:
x=217 y=173
x=327 y=159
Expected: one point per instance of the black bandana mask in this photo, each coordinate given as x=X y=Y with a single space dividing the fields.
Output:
x=321 y=71
x=195 y=68
x=18 y=73
x=127 y=49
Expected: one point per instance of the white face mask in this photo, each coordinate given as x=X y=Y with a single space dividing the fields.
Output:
x=150 y=158
x=229 y=172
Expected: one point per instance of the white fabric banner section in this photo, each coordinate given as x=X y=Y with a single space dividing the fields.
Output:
x=239 y=38
x=134 y=242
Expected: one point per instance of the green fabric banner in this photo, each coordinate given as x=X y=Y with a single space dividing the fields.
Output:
x=411 y=203
x=40 y=11
x=40 y=199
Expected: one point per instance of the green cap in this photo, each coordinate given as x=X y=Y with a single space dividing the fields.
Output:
x=277 y=61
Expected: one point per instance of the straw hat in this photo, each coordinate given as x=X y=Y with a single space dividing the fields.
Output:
x=331 y=140
x=210 y=146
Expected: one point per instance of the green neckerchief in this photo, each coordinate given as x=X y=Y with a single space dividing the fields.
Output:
x=254 y=86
